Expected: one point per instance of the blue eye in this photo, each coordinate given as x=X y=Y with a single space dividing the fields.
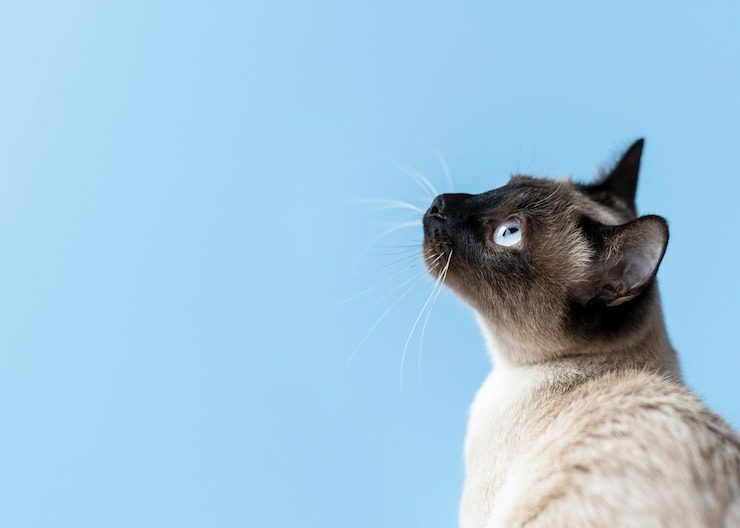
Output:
x=508 y=233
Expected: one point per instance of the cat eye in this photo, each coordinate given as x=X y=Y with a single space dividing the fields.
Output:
x=508 y=233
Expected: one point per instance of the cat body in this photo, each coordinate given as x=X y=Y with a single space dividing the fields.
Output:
x=562 y=447
x=584 y=420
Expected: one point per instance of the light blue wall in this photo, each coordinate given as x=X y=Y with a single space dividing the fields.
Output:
x=179 y=221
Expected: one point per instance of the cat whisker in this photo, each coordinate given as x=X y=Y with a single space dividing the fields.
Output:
x=426 y=321
x=384 y=266
x=419 y=179
x=401 y=285
x=380 y=283
x=411 y=252
x=415 y=244
x=445 y=169
x=380 y=319
x=390 y=230
x=433 y=264
x=405 y=251
x=390 y=204
x=433 y=257
x=428 y=184
x=433 y=261
x=421 y=312
x=415 y=221
x=399 y=249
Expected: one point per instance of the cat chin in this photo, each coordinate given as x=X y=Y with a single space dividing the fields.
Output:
x=436 y=253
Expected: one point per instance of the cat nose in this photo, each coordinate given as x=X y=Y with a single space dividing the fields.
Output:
x=437 y=208
x=448 y=205
x=446 y=211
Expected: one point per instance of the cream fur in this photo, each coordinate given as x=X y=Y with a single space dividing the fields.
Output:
x=597 y=441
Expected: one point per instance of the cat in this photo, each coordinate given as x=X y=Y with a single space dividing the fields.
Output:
x=584 y=419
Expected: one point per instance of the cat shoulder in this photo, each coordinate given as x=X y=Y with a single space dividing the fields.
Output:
x=630 y=447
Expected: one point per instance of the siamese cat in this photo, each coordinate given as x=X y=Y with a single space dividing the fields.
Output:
x=584 y=420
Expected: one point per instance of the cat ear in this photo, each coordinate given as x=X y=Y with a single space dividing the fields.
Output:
x=621 y=182
x=628 y=260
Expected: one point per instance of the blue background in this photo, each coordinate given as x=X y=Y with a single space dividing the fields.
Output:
x=184 y=207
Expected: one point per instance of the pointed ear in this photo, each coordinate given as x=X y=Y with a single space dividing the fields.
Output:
x=628 y=260
x=621 y=182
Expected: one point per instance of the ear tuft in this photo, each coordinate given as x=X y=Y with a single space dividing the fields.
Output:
x=629 y=260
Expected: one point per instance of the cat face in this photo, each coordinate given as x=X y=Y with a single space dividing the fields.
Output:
x=550 y=264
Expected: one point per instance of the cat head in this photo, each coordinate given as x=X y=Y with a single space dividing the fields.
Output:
x=551 y=266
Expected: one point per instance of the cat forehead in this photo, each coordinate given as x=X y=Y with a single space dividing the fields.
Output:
x=530 y=194
x=524 y=187
x=523 y=191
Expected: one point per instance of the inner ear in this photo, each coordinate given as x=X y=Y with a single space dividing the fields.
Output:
x=628 y=260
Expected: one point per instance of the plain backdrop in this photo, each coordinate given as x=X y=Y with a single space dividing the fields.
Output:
x=189 y=239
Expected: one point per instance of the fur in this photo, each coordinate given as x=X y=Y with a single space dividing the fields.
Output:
x=584 y=419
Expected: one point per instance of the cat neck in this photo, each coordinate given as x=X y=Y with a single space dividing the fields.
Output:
x=646 y=347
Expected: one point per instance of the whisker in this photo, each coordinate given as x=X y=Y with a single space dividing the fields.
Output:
x=414 y=175
x=412 y=244
x=382 y=316
x=371 y=288
x=424 y=331
x=385 y=233
x=445 y=169
x=424 y=272
x=426 y=321
x=414 y=221
x=389 y=204
x=384 y=266
x=398 y=250
x=401 y=285
x=418 y=317
x=417 y=251
x=424 y=180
